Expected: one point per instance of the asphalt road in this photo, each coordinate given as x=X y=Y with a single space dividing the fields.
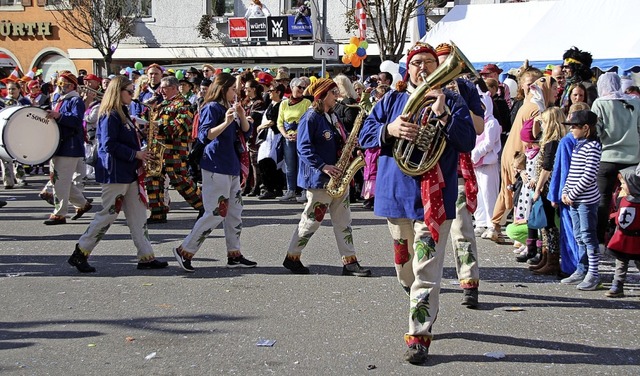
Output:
x=122 y=321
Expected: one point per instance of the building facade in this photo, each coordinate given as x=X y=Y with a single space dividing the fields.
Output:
x=30 y=37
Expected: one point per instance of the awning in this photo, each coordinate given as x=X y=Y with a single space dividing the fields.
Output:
x=541 y=31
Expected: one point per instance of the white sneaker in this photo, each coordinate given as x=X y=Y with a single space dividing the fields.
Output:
x=478 y=231
x=288 y=196
x=488 y=234
x=520 y=249
x=302 y=198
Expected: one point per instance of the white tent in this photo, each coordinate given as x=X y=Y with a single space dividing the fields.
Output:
x=541 y=31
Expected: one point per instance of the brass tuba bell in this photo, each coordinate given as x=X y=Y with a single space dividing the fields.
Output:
x=416 y=158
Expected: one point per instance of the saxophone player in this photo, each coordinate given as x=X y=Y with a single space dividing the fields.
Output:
x=174 y=129
x=419 y=209
x=321 y=138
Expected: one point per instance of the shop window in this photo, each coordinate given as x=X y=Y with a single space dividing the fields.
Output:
x=141 y=8
x=10 y=5
x=56 y=5
x=54 y=62
x=221 y=7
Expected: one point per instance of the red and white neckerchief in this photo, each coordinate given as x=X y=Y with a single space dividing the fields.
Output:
x=470 y=181
x=361 y=20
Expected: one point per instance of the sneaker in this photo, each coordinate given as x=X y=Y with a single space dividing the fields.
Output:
x=302 y=198
x=355 y=269
x=522 y=248
x=184 y=263
x=478 y=231
x=268 y=195
x=154 y=264
x=2 y=203
x=488 y=233
x=574 y=278
x=152 y=220
x=288 y=196
x=616 y=290
x=416 y=354
x=80 y=212
x=295 y=266
x=470 y=298
x=240 y=262
x=590 y=283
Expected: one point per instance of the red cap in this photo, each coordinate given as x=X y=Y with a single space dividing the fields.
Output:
x=92 y=77
x=490 y=68
x=265 y=78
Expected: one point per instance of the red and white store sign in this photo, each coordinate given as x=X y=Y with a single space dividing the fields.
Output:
x=238 y=27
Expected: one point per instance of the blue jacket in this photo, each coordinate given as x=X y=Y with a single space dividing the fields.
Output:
x=398 y=195
x=318 y=144
x=220 y=155
x=117 y=147
x=71 y=129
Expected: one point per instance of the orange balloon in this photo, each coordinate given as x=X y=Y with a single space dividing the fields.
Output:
x=346 y=59
x=356 y=62
x=354 y=40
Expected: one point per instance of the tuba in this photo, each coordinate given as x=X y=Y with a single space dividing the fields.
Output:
x=337 y=187
x=416 y=158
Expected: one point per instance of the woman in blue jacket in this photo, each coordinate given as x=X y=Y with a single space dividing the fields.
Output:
x=321 y=138
x=222 y=118
x=119 y=170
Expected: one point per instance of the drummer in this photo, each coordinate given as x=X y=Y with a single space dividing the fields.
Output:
x=68 y=111
x=13 y=174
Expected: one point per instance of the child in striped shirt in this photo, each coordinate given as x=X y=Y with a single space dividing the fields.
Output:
x=581 y=194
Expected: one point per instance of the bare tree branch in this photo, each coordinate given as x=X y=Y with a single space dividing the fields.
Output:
x=102 y=24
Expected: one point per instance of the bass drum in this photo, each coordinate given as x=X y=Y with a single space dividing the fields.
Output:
x=27 y=135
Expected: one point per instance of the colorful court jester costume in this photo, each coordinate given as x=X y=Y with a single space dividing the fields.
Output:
x=173 y=131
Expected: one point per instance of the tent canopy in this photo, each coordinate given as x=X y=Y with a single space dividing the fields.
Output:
x=541 y=31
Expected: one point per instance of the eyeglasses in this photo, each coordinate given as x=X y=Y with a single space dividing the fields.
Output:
x=420 y=63
x=301 y=87
x=164 y=87
x=206 y=70
x=63 y=84
x=335 y=91
x=129 y=91
x=270 y=91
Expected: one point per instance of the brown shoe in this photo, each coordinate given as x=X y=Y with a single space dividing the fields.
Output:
x=80 y=212
x=55 y=220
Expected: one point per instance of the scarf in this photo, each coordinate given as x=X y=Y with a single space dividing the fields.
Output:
x=64 y=97
x=293 y=101
x=470 y=182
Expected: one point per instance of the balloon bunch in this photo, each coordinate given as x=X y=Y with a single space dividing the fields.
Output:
x=355 y=52
x=136 y=67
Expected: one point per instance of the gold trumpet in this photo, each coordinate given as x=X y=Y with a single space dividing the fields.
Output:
x=84 y=89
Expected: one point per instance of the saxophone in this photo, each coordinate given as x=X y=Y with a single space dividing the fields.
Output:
x=153 y=167
x=337 y=187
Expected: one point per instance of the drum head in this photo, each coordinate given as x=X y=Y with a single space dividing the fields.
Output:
x=27 y=135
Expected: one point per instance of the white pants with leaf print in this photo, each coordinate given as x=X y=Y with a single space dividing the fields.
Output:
x=116 y=198
x=222 y=200
x=422 y=272
x=319 y=203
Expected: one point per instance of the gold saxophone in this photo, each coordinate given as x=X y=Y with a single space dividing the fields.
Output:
x=153 y=167
x=337 y=187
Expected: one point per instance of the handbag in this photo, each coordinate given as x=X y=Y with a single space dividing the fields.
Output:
x=537 y=218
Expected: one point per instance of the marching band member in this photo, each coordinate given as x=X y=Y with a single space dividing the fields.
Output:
x=68 y=112
x=118 y=170
x=174 y=129
x=420 y=209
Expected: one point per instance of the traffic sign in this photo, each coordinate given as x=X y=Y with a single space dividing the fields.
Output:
x=326 y=51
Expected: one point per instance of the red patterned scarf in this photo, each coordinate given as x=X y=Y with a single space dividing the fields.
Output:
x=470 y=182
x=431 y=187
x=245 y=162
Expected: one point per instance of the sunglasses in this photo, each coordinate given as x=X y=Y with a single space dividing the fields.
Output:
x=129 y=91
x=301 y=87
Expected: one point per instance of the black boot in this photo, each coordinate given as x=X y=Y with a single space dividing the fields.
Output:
x=532 y=250
x=79 y=260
